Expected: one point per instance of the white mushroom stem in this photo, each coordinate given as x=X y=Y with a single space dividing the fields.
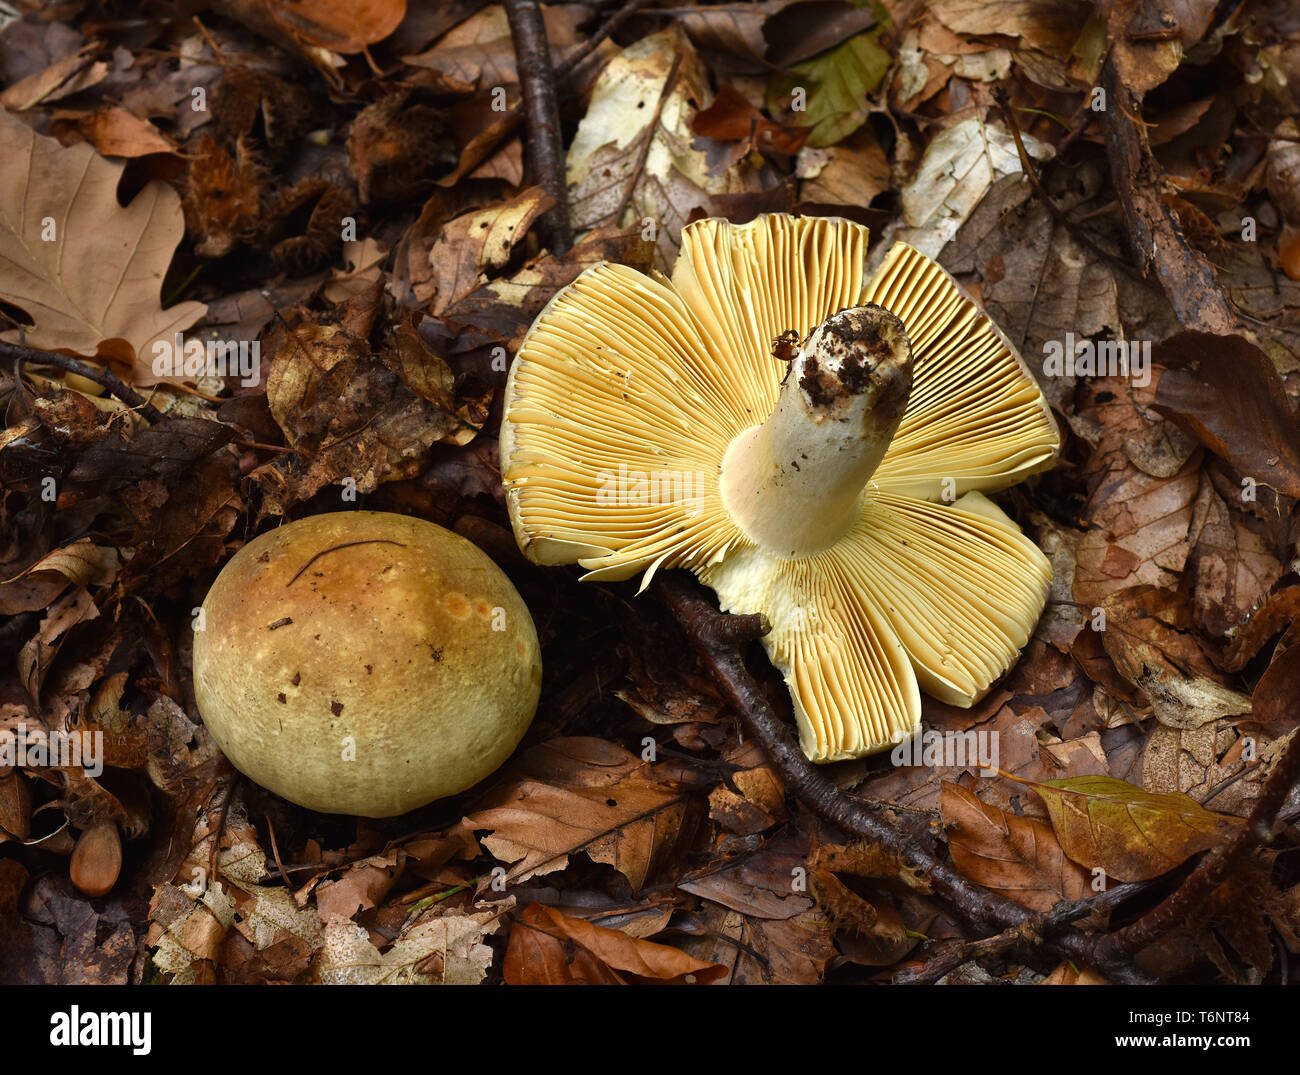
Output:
x=795 y=483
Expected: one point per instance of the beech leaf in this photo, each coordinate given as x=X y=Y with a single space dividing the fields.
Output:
x=1226 y=393
x=1132 y=834
x=548 y=947
x=1017 y=856
x=624 y=825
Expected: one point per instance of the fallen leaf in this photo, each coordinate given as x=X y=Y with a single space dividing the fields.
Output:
x=731 y=118
x=1276 y=701
x=1225 y=392
x=850 y=173
x=363 y=259
x=350 y=415
x=1233 y=564
x=473 y=244
x=630 y=825
x=115 y=132
x=86 y=270
x=1207 y=763
x=344 y=26
x=1141 y=525
x=1017 y=856
x=1132 y=834
x=444 y=949
x=479 y=52
x=632 y=161
x=69 y=75
x=960 y=164
x=1069 y=974
x=836 y=85
x=1045 y=33
x=542 y=952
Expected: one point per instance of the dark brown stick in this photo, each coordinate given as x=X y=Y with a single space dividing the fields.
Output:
x=1155 y=235
x=542 y=115
x=102 y=377
x=853 y=815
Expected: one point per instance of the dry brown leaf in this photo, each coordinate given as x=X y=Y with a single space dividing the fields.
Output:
x=756 y=804
x=94 y=287
x=69 y=75
x=631 y=825
x=363 y=259
x=1140 y=523
x=542 y=952
x=1150 y=639
x=1277 y=612
x=83 y=563
x=879 y=935
x=350 y=415
x=1234 y=565
x=446 y=949
x=1225 y=392
x=344 y=26
x=1045 y=34
x=1276 y=702
x=1068 y=974
x=503 y=309
x=471 y=245
x=1207 y=764
x=115 y=132
x=480 y=53
x=850 y=173
x=1017 y=856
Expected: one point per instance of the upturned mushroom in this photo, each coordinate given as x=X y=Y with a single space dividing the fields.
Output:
x=814 y=444
x=365 y=663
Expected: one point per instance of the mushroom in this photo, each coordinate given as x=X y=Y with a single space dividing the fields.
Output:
x=834 y=485
x=365 y=663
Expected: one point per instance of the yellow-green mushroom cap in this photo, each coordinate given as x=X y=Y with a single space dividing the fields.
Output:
x=365 y=663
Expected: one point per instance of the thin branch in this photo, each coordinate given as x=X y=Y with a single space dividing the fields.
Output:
x=946 y=957
x=580 y=53
x=542 y=116
x=1031 y=173
x=1155 y=236
x=853 y=815
x=102 y=377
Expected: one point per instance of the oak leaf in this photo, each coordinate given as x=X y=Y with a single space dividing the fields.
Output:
x=86 y=270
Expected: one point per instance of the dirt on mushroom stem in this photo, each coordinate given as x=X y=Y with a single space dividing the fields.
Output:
x=794 y=483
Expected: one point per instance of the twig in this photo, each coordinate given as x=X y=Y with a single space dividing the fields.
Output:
x=1031 y=173
x=542 y=115
x=1155 y=236
x=571 y=62
x=1210 y=873
x=986 y=909
x=102 y=377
